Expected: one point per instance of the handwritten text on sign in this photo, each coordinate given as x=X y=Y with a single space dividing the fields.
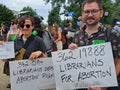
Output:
x=85 y=66
x=32 y=75
x=7 y=50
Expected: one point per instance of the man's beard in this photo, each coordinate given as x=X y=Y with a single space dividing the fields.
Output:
x=92 y=24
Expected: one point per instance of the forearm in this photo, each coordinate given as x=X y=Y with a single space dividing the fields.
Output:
x=1 y=42
x=37 y=54
x=117 y=65
x=57 y=40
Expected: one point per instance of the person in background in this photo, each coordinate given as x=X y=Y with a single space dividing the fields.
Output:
x=11 y=36
x=80 y=23
x=92 y=12
x=50 y=30
x=65 y=33
x=14 y=32
x=117 y=26
x=44 y=34
x=108 y=26
x=71 y=29
x=60 y=29
x=4 y=31
x=70 y=32
x=57 y=38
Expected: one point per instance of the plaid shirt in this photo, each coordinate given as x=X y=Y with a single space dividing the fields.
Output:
x=81 y=38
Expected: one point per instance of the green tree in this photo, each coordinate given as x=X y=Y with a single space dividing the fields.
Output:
x=109 y=8
x=6 y=14
x=30 y=12
x=54 y=16
x=74 y=6
x=113 y=9
x=117 y=9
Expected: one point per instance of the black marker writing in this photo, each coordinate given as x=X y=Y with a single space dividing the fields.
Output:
x=22 y=79
x=65 y=56
x=92 y=51
x=66 y=78
x=26 y=71
x=81 y=65
x=94 y=74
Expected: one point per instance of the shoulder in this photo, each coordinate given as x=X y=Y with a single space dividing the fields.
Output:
x=79 y=32
x=37 y=38
x=44 y=32
x=9 y=32
x=115 y=33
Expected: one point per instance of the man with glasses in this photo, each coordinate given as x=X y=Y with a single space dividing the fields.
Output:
x=92 y=12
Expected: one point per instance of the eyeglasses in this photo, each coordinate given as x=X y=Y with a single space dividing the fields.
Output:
x=27 y=26
x=93 y=12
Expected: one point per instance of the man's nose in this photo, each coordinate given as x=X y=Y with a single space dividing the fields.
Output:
x=90 y=14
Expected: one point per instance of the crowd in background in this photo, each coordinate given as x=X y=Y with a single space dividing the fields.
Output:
x=58 y=37
x=31 y=39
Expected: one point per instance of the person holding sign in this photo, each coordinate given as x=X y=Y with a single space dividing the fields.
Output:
x=28 y=46
x=11 y=36
x=96 y=33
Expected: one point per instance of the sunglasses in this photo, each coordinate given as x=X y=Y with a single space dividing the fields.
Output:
x=27 y=26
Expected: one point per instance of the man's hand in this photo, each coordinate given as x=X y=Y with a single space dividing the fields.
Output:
x=35 y=55
x=72 y=46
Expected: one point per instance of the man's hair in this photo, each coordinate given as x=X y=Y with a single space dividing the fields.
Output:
x=91 y=1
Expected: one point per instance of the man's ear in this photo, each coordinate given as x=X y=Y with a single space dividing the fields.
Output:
x=102 y=13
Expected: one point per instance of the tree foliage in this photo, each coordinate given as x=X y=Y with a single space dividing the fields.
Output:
x=54 y=16
x=6 y=14
x=30 y=12
x=108 y=7
x=117 y=9
x=113 y=8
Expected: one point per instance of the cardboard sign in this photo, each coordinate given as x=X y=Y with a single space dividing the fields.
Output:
x=32 y=75
x=85 y=66
x=7 y=50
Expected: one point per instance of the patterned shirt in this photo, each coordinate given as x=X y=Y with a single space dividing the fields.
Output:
x=81 y=38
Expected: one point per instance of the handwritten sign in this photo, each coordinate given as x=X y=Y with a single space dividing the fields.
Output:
x=85 y=66
x=32 y=75
x=7 y=50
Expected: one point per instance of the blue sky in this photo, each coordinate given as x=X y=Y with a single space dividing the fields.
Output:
x=39 y=5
